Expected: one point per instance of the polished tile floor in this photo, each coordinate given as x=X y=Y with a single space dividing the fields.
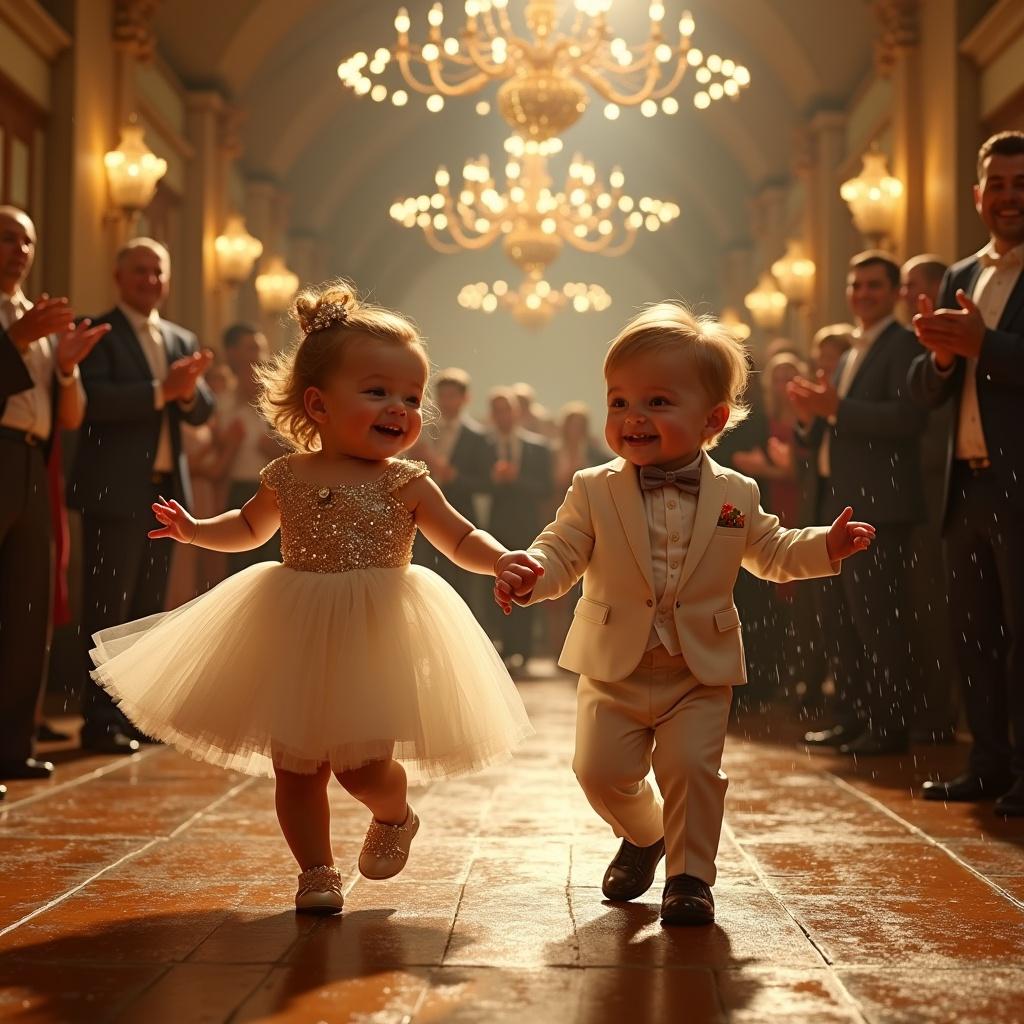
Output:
x=156 y=889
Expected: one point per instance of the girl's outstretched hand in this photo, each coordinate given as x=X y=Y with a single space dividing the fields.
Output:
x=175 y=522
x=846 y=538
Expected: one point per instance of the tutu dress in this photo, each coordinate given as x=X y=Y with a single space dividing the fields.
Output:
x=345 y=653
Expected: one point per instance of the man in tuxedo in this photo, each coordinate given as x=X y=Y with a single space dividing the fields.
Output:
x=40 y=393
x=142 y=384
x=865 y=434
x=521 y=481
x=975 y=363
x=460 y=460
x=933 y=711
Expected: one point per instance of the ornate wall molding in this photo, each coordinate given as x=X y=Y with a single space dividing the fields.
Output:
x=36 y=27
x=132 y=29
x=898 y=30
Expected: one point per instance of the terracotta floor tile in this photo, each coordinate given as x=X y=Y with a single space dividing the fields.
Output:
x=497 y=995
x=970 y=996
x=781 y=996
x=990 y=856
x=648 y=995
x=752 y=928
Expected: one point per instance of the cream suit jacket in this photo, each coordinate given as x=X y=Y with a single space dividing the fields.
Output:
x=601 y=533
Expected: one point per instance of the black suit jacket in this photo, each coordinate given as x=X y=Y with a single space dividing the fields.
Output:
x=112 y=474
x=517 y=512
x=14 y=377
x=875 y=446
x=1000 y=381
x=471 y=458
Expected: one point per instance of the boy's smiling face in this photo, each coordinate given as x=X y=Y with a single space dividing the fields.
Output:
x=658 y=411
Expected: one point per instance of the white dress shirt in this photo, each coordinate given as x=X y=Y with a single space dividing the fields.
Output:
x=509 y=447
x=670 y=515
x=862 y=340
x=250 y=457
x=991 y=291
x=32 y=410
x=147 y=330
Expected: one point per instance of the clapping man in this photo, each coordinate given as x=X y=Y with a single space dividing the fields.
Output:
x=975 y=362
x=142 y=384
x=40 y=393
x=865 y=434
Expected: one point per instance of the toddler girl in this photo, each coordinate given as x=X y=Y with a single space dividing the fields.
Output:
x=346 y=658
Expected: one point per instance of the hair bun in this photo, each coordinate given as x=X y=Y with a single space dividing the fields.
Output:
x=319 y=309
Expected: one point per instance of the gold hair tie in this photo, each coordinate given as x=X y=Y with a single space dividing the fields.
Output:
x=330 y=314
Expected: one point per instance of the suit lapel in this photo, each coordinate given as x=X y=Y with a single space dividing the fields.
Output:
x=871 y=354
x=1014 y=304
x=709 y=508
x=123 y=326
x=629 y=503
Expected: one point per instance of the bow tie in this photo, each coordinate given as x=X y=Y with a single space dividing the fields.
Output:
x=1007 y=261
x=688 y=480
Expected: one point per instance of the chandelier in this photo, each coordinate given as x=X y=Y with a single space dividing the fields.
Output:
x=536 y=300
x=533 y=220
x=766 y=303
x=873 y=197
x=547 y=74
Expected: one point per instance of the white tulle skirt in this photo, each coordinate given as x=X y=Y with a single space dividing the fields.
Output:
x=294 y=669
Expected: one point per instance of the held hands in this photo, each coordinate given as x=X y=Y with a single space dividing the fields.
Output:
x=813 y=398
x=504 y=471
x=176 y=522
x=846 y=538
x=948 y=333
x=183 y=374
x=516 y=574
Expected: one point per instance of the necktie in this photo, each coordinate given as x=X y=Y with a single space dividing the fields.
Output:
x=653 y=477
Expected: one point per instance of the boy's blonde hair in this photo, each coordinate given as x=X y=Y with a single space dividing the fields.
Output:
x=331 y=317
x=719 y=357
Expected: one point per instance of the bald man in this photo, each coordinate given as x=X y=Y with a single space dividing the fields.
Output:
x=40 y=393
x=142 y=384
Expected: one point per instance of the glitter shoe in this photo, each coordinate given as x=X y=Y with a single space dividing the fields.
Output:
x=320 y=891
x=386 y=847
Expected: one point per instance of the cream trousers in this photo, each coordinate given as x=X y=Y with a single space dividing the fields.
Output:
x=661 y=716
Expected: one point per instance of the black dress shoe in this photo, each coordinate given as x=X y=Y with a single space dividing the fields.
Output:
x=45 y=733
x=1011 y=803
x=631 y=872
x=870 y=744
x=966 y=788
x=108 y=740
x=687 y=900
x=835 y=736
x=30 y=768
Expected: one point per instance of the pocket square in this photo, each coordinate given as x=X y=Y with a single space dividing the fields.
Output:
x=731 y=517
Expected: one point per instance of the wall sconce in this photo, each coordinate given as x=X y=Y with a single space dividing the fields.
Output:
x=766 y=303
x=795 y=274
x=237 y=252
x=874 y=198
x=133 y=170
x=276 y=286
x=731 y=321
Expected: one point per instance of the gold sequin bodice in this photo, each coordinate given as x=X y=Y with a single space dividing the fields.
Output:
x=352 y=526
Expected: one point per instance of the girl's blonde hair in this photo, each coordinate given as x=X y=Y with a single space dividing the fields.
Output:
x=330 y=317
x=715 y=353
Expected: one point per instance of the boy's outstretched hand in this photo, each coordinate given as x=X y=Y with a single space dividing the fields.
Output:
x=846 y=537
x=516 y=574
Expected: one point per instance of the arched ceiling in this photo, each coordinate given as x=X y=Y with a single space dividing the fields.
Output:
x=344 y=159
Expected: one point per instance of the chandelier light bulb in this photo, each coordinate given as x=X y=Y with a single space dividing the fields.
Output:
x=402 y=22
x=435 y=102
x=431 y=52
x=687 y=26
x=656 y=12
x=435 y=16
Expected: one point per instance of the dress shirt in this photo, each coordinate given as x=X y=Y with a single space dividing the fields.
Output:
x=154 y=348
x=250 y=458
x=448 y=432
x=32 y=410
x=862 y=340
x=670 y=515
x=991 y=292
x=509 y=447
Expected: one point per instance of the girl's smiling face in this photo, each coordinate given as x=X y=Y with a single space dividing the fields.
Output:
x=658 y=412
x=371 y=405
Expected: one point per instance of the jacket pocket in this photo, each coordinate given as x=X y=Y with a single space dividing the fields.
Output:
x=726 y=619
x=592 y=611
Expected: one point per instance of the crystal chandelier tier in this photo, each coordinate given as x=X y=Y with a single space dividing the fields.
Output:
x=536 y=300
x=533 y=219
x=547 y=74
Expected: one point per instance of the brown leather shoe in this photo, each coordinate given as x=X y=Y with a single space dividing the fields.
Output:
x=687 y=900
x=631 y=872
